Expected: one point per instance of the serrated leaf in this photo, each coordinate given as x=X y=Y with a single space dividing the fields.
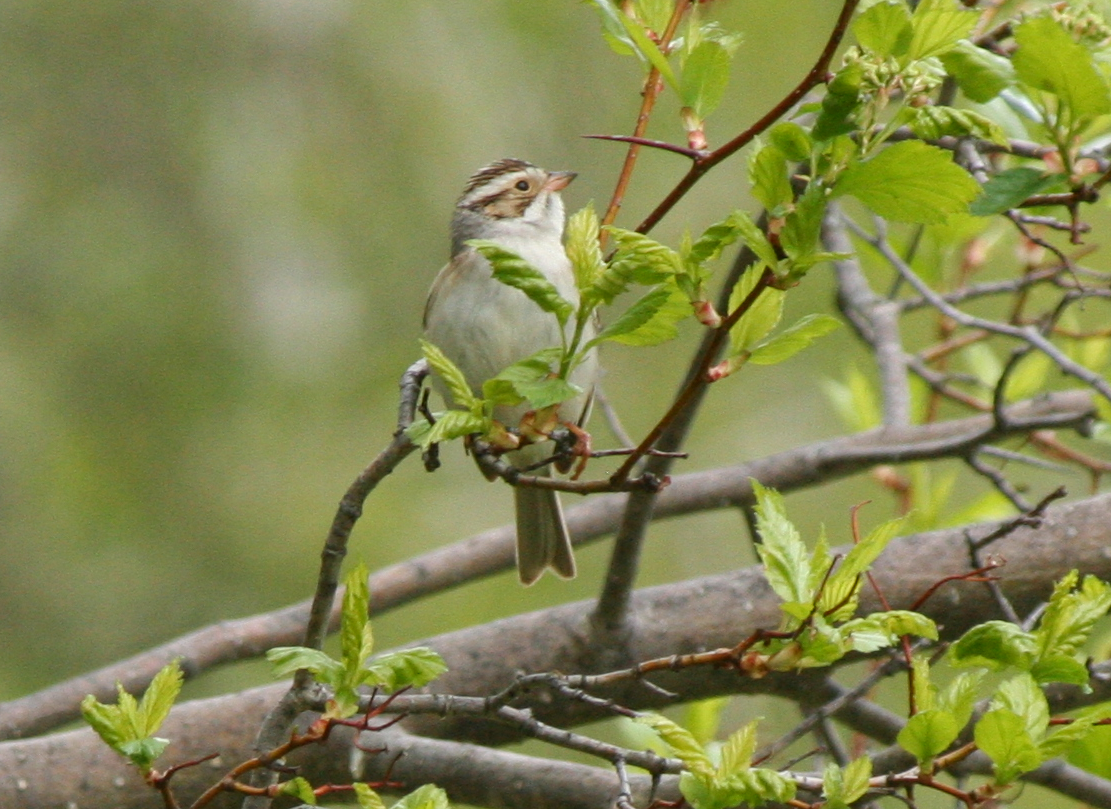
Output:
x=937 y=25
x=661 y=327
x=793 y=339
x=737 y=752
x=767 y=171
x=925 y=692
x=1071 y=614
x=428 y=796
x=1002 y=736
x=583 y=248
x=761 y=317
x=717 y=237
x=299 y=788
x=159 y=698
x=636 y=316
x=636 y=259
x=288 y=659
x=413 y=667
x=450 y=425
x=685 y=747
x=781 y=549
x=840 y=103
x=981 y=74
x=1009 y=188
x=512 y=270
x=456 y=382
x=1060 y=742
x=356 y=641
x=994 y=645
x=884 y=28
x=855 y=400
x=928 y=733
x=910 y=182
x=844 y=582
x=534 y=380
x=1061 y=669
x=1049 y=59
x=106 y=721
x=367 y=797
x=704 y=77
x=858 y=773
x=756 y=240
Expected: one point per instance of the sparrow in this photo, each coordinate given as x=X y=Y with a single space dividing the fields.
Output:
x=482 y=326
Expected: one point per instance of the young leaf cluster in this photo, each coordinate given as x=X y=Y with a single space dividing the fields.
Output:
x=820 y=594
x=733 y=781
x=128 y=727
x=390 y=672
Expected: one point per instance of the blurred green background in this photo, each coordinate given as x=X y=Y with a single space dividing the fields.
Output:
x=218 y=223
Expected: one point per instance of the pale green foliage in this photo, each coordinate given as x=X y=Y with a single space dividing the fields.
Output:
x=392 y=671
x=841 y=787
x=128 y=727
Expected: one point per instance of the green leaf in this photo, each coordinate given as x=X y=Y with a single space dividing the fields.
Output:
x=767 y=171
x=649 y=50
x=367 y=797
x=1061 y=669
x=719 y=236
x=659 y=328
x=839 y=105
x=704 y=78
x=356 y=640
x=159 y=698
x=1061 y=741
x=288 y=659
x=884 y=28
x=449 y=426
x=1002 y=736
x=792 y=140
x=925 y=692
x=681 y=742
x=910 y=182
x=1009 y=188
x=959 y=697
x=703 y=717
x=889 y=626
x=1049 y=59
x=928 y=733
x=934 y=122
x=855 y=401
x=803 y=225
x=761 y=317
x=844 y=580
x=413 y=667
x=793 y=339
x=636 y=315
x=106 y=720
x=737 y=752
x=428 y=796
x=980 y=74
x=583 y=248
x=299 y=788
x=512 y=270
x=461 y=394
x=613 y=30
x=1071 y=614
x=994 y=645
x=1021 y=696
x=937 y=26
x=636 y=259
x=781 y=549
x=858 y=773
x=534 y=379
x=756 y=787
x=144 y=752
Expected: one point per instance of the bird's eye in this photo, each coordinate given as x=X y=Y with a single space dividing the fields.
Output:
x=522 y=185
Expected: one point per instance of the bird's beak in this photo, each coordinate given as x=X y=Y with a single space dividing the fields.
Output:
x=558 y=180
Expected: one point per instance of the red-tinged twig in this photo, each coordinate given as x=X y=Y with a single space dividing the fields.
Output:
x=686 y=151
x=160 y=779
x=701 y=165
x=653 y=85
x=979 y=575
